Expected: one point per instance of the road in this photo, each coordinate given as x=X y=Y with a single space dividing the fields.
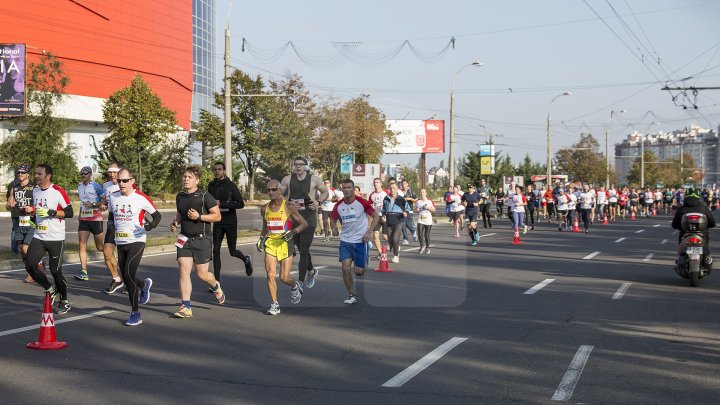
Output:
x=583 y=318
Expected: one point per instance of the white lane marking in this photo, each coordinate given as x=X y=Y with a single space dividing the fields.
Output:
x=648 y=257
x=656 y=226
x=74 y=318
x=640 y=231
x=572 y=375
x=489 y=234
x=591 y=255
x=675 y=232
x=420 y=365
x=664 y=241
x=539 y=286
x=621 y=291
x=620 y=240
x=407 y=250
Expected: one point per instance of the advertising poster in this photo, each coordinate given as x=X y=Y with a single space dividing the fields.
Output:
x=12 y=79
x=416 y=136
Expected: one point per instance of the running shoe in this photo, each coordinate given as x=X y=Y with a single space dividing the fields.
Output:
x=183 y=312
x=296 y=293
x=219 y=295
x=422 y=250
x=274 y=309
x=248 y=265
x=395 y=259
x=310 y=279
x=351 y=299
x=415 y=237
x=525 y=229
x=427 y=251
x=29 y=279
x=53 y=293
x=404 y=242
x=326 y=239
x=473 y=243
x=63 y=307
x=145 y=292
x=114 y=286
x=82 y=276
x=134 y=319
x=457 y=235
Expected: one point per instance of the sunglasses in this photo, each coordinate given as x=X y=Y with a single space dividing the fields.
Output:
x=272 y=189
x=84 y=173
x=22 y=172
x=124 y=180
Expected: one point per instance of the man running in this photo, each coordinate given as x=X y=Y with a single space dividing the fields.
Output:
x=129 y=207
x=485 y=193
x=196 y=210
x=586 y=201
x=277 y=233
x=20 y=202
x=471 y=201
x=562 y=209
x=302 y=189
x=91 y=218
x=327 y=207
x=230 y=199
x=408 y=224
x=51 y=207
x=377 y=196
x=109 y=187
x=353 y=213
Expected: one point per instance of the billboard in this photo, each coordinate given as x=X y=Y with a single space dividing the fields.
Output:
x=416 y=136
x=12 y=80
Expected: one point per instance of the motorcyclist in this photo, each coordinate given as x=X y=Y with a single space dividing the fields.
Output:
x=693 y=204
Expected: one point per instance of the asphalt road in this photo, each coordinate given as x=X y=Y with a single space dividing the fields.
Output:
x=550 y=320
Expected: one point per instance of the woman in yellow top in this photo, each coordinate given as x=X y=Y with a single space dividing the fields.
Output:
x=277 y=232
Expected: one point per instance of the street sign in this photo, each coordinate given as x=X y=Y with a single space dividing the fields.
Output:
x=358 y=170
x=487 y=165
x=346 y=162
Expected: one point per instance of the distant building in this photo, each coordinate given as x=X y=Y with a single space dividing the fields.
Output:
x=436 y=174
x=693 y=141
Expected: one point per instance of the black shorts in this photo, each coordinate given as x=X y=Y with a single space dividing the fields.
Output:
x=199 y=248
x=110 y=234
x=471 y=216
x=455 y=215
x=613 y=204
x=94 y=227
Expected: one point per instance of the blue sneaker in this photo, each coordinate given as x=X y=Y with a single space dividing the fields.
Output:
x=134 y=319
x=145 y=292
x=474 y=243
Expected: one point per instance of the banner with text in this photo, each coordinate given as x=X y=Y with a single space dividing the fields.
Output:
x=416 y=136
x=12 y=80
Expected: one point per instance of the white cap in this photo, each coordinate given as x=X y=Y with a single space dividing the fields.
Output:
x=113 y=169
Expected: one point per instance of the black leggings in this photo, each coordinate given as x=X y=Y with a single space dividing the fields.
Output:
x=585 y=215
x=219 y=232
x=129 y=256
x=531 y=214
x=485 y=211
x=394 y=233
x=424 y=234
x=54 y=249
x=303 y=240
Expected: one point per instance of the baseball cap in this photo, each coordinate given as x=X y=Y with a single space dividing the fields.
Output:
x=114 y=169
x=86 y=169
x=470 y=185
x=586 y=187
x=23 y=168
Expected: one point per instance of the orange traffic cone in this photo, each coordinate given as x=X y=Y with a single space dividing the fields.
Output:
x=576 y=225
x=516 y=238
x=632 y=216
x=654 y=212
x=383 y=267
x=47 y=339
x=605 y=221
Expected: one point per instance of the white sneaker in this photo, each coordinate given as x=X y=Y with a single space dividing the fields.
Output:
x=427 y=251
x=404 y=242
x=296 y=293
x=524 y=229
x=351 y=299
x=274 y=309
x=310 y=278
x=422 y=250
x=395 y=259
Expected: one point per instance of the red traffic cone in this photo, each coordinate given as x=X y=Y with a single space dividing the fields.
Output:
x=47 y=339
x=576 y=225
x=605 y=221
x=632 y=216
x=383 y=267
x=516 y=238
x=654 y=212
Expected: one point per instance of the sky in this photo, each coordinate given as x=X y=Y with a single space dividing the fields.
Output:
x=612 y=55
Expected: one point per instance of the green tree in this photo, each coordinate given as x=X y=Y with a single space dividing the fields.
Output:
x=652 y=171
x=583 y=161
x=142 y=132
x=41 y=137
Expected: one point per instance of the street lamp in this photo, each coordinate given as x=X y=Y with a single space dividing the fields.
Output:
x=702 y=161
x=549 y=151
x=607 y=151
x=227 y=100
x=452 y=120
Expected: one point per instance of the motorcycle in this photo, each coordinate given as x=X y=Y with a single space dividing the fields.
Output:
x=693 y=262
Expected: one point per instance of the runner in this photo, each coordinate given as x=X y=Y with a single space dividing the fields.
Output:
x=301 y=188
x=20 y=202
x=277 y=233
x=51 y=207
x=408 y=224
x=353 y=213
x=109 y=187
x=533 y=205
x=499 y=202
x=667 y=200
x=91 y=218
x=455 y=210
x=448 y=203
x=129 y=207
x=393 y=212
x=586 y=201
x=485 y=194
x=519 y=203
x=425 y=208
x=572 y=207
x=612 y=194
x=562 y=209
x=326 y=208
x=196 y=210
x=633 y=199
x=601 y=208
x=550 y=205
x=230 y=200
x=649 y=200
x=658 y=196
x=471 y=202
x=377 y=196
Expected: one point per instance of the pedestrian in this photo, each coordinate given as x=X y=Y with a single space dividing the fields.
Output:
x=91 y=218
x=229 y=199
x=129 y=207
x=425 y=208
x=408 y=224
x=586 y=201
x=485 y=194
x=358 y=218
x=302 y=188
x=376 y=198
x=533 y=205
x=109 y=187
x=393 y=212
x=51 y=207
x=14 y=215
x=282 y=222
x=20 y=202
x=196 y=211
x=456 y=210
x=519 y=204
x=471 y=202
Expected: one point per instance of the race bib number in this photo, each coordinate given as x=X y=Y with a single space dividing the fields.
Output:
x=276 y=227
x=42 y=228
x=181 y=240
x=122 y=235
x=300 y=202
x=425 y=216
x=24 y=220
x=86 y=212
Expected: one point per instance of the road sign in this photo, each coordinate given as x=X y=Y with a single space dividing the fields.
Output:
x=346 y=162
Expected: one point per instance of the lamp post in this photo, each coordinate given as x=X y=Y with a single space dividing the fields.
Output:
x=607 y=151
x=451 y=158
x=702 y=161
x=228 y=103
x=549 y=151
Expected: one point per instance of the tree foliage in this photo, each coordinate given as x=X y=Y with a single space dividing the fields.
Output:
x=41 y=137
x=583 y=161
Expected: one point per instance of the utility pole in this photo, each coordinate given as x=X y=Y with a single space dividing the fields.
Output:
x=228 y=104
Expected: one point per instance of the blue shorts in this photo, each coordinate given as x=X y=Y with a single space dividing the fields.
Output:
x=358 y=252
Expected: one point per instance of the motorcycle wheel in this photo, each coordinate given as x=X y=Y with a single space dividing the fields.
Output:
x=694 y=273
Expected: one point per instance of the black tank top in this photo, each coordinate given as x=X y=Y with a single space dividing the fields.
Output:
x=299 y=192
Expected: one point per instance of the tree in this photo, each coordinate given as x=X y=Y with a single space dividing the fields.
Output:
x=583 y=161
x=652 y=171
x=41 y=137
x=140 y=126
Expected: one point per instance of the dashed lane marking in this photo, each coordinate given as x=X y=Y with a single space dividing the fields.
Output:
x=620 y=240
x=648 y=257
x=572 y=375
x=621 y=291
x=591 y=255
x=640 y=231
x=664 y=241
x=420 y=365
x=539 y=286
x=656 y=226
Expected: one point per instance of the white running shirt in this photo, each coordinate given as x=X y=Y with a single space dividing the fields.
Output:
x=354 y=219
x=54 y=198
x=129 y=213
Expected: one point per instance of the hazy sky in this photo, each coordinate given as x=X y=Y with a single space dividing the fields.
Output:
x=539 y=49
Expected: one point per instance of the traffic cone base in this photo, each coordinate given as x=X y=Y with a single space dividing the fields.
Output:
x=383 y=267
x=576 y=225
x=632 y=216
x=47 y=340
x=516 y=238
x=605 y=221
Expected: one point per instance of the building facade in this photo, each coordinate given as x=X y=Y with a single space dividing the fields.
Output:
x=204 y=65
